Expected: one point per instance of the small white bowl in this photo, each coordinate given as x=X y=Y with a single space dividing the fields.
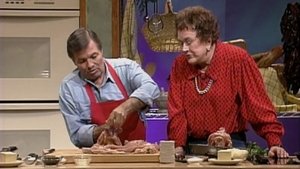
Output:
x=63 y=161
x=82 y=160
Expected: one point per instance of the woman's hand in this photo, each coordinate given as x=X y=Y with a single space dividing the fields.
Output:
x=277 y=152
x=179 y=153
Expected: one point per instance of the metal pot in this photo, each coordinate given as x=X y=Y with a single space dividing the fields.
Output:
x=204 y=149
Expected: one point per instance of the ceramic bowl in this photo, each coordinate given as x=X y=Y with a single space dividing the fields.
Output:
x=51 y=160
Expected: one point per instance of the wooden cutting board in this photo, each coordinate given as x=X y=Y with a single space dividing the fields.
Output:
x=69 y=155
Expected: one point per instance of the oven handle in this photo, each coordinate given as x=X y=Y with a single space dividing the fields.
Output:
x=39 y=13
x=29 y=106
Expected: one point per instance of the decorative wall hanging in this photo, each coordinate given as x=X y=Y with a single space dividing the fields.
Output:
x=128 y=40
x=160 y=30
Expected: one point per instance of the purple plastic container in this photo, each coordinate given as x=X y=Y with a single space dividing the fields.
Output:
x=156 y=129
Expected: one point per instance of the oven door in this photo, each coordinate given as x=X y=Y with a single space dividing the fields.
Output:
x=33 y=55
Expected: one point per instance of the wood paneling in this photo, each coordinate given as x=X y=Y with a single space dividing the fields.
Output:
x=116 y=28
x=83 y=15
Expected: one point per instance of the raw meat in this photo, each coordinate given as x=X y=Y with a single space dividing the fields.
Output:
x=220 y=139
x=107 y=137
x=135 y=146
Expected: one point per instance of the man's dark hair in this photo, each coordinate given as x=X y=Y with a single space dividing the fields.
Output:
x=79 y=40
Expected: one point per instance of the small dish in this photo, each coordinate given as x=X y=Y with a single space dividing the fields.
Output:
x=194 y=160
x=224 y=162
x=82 y=160
x=51 y=160
x=11 y=164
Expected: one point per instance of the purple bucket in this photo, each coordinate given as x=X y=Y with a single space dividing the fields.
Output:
x=156 y=129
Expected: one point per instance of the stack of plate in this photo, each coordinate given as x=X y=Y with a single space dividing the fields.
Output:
x=167 y=151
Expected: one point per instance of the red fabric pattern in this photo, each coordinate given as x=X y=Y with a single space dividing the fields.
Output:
x=133 y=128
x=236 y=96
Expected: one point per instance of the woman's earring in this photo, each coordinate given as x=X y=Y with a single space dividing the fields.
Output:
x=207 y=49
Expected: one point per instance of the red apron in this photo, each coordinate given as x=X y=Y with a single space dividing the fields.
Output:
x=133 y=128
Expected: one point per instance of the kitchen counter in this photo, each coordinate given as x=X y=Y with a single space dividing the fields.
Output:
x=144 y=161
x=204 y=165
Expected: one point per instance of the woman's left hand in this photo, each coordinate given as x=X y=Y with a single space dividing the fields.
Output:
x=179 y=153
x=277 y=152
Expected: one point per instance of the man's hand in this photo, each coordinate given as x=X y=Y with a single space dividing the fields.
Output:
x=116 y=120
x=98 y=130
x=118 y=116
x=108 y=136
x=279 y=152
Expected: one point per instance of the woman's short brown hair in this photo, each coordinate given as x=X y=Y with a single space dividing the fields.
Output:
x=199 y=19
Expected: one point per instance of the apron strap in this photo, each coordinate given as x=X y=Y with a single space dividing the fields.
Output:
x=118 y=80
x=89 y=90
x=115 y=76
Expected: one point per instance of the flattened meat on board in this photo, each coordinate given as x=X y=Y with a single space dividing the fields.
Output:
x=109 y=143
x=108 y=137
x=135 y=146
x=147 y=149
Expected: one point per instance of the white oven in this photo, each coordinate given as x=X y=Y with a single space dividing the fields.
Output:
x=33 y=57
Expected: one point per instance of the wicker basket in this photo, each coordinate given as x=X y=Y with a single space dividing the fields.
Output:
x=163 y=40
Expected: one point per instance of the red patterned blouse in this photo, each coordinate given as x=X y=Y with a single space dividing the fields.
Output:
x=235 y=96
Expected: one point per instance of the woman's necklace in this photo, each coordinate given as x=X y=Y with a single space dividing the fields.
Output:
x=206 y=89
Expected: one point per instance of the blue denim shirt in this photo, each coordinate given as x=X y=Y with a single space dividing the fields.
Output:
x=75 y=104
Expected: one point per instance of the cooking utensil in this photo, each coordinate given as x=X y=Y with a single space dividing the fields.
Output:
x=146 y=17
x=204 y=149
x=31 y=158
x=155 y=23
x=10 y=148
x=48 y=151
x=199 y=149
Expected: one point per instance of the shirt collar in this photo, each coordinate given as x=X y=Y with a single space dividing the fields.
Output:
x=108 y=77
x=211 y=71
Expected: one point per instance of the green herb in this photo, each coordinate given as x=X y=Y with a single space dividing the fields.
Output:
x=255 y=150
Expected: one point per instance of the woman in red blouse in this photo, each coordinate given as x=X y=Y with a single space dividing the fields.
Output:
x=213 y=85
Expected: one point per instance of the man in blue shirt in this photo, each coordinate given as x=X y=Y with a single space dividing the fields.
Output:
x=103 y=93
